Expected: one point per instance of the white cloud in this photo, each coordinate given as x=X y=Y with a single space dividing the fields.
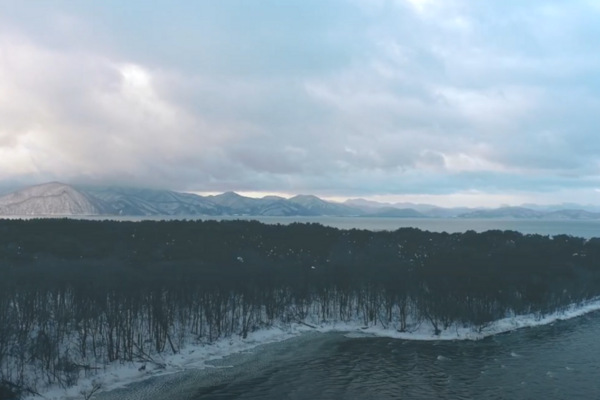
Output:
x=68 y=115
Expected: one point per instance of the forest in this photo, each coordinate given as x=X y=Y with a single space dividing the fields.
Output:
x=77 y=295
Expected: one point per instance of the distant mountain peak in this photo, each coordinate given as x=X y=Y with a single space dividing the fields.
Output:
x=307 y=197
x=366 y=203
x=58 y=198
x=323 y=207
x=505 y=212
x=229 y=194
x=53 y=198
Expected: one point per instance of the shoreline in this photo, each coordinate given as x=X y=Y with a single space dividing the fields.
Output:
x=197 y=356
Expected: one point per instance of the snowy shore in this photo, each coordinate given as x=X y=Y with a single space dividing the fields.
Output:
x=196 y=356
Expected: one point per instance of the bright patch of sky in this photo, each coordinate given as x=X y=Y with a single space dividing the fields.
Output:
x=448 y=102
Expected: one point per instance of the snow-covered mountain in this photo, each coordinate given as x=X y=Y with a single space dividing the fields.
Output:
x=555 y=211
x=572 y=214
x=53 y=198
x=505 y=212
x=282 y=207
x=527 y=213
x=427 y=210
x=60 y=199
x=322 y=207
x=131 y=201
x=268 y=205
x=236 y=203
x=562 y=207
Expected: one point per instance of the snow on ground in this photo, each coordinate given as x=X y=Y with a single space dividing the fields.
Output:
x=197 y=356
x=190 y=357
x=425 y=332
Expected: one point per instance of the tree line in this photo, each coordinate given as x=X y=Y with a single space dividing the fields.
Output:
x=77 y=295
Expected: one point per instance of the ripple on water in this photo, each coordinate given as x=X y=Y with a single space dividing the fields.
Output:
x=520 y=366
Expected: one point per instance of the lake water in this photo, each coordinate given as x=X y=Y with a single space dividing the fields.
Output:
x=559 y=361
x=585 y=229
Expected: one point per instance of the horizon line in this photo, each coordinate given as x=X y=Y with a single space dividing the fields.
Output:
x=436 y=200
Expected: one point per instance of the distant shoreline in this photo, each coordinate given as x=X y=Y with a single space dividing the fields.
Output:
x=581 y=228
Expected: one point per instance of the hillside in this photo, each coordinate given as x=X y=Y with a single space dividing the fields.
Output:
x=322 y=207
x=505 y=212
x=140 y=202
x=428 y=210
x=572 y=215
x=235 y=204
x=52 y=199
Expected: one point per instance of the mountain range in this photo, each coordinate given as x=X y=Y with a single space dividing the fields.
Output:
x=59 y=199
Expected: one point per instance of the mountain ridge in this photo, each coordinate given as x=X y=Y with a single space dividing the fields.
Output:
x=391 y=212
x=53 y=198
x=59 y=199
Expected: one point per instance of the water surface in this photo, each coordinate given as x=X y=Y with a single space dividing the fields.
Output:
x=585 y=229
x=558 y=361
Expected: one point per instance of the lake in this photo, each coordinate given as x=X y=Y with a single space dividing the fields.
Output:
x=557 y=361
x=585 y=229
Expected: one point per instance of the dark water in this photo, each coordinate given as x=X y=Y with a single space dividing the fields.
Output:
x=561 y=361
x=585 y=229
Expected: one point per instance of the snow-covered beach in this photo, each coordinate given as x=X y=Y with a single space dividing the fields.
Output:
x=198 y=355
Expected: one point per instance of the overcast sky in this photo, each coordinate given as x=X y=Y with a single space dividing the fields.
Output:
x=448 y=102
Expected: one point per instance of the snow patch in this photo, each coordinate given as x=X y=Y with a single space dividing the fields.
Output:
x=196 y=356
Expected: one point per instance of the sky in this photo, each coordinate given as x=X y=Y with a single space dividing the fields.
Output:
x=474 y=103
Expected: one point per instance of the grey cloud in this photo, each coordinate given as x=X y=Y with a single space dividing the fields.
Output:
x=336 y=98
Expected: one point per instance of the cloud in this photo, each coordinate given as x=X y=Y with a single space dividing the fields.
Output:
x=344 y=98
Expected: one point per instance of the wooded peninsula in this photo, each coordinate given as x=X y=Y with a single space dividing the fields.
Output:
x=77 y=295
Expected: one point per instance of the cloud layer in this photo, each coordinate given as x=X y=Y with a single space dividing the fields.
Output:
x=340 y=98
